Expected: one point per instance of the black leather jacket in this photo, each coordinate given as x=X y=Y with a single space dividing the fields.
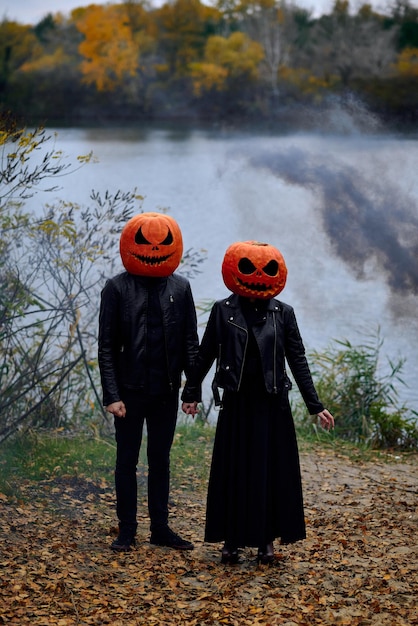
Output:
x=278 y=338
x=123 y=326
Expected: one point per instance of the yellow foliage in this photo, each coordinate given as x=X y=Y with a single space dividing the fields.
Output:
x=47 y=62
x=407 y=64
x=87 y=158
x=162 y=69
x=245 y=5
x=182 y=31
x=109 y=47
x=366 y=11
x=17 y=44
x=208 y=76
x=225 y=59
x=341 y=7
x=185 y=19
x=237 y=53
x=305 y=81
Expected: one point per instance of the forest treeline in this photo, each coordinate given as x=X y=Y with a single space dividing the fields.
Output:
x=235 y=59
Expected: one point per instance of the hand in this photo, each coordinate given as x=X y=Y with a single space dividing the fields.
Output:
x=190 y=408
x=117 y=409
x=326 y=419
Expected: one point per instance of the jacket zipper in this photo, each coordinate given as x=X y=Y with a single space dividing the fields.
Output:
x=274 y=355
x=245 y=353
x=170 y=382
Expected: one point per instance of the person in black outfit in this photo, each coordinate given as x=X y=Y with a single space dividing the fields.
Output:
x=254 y=492
x=147 y=338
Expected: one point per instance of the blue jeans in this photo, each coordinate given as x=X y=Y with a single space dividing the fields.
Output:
x=160 y=415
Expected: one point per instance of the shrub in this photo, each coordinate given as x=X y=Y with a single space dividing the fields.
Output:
x=363 y=400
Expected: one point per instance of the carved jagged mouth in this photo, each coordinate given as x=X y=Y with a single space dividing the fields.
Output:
x=152 y=260
x=252 y=286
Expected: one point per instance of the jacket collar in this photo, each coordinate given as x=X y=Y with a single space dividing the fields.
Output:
x=150 y=282
x=233 y=302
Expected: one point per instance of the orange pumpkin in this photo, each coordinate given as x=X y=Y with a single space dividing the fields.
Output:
x=151 y=244
x=254 y=270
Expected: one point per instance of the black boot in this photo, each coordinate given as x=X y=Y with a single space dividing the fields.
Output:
x=166 y=537
x=265 y=554
x=126 y=538
x=229 y=554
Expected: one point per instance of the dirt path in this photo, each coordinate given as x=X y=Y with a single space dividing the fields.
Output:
x=358 y=565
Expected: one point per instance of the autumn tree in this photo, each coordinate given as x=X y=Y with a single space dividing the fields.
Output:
x=18 y=45
x=349 y=46
x=58 y=56
x=271 y=23
x=109 y=49
x=401 y=93
x=183 y=28
x=230 y=67
x=46 y=80
x=404 y=15
x=407 y=64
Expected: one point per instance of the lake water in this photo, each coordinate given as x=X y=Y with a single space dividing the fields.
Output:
x=343 y=210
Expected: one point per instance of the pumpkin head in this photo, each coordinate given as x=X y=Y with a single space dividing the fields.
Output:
x=254 y=270
x=151 y=245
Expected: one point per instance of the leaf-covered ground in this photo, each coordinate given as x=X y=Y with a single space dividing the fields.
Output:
x=358 y=565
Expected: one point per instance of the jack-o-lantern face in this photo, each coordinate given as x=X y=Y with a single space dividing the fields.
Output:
x=254 y=270
x=151 y=245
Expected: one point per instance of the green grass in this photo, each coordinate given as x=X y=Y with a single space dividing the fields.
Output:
x=311 y=439
x=40 y=456
x=44 y=455
x=52 y=454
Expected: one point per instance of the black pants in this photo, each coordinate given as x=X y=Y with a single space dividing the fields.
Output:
x=160 y=415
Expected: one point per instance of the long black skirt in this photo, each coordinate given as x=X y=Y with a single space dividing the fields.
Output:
x=255 y=490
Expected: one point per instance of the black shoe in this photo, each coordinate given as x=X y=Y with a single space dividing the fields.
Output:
x=124 y=542
x=229 y=555
x=166 y=537
x=265 y=555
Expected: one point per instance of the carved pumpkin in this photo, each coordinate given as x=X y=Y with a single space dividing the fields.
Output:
x=254 y=270
x=151 y=245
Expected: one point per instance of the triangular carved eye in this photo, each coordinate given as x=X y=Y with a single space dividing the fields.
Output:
x=168 y=240
x=246 y=266
x=271 y=268
x=139 y=237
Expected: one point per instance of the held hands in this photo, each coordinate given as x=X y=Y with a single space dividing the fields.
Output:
x=117 y=409
x=326 y=419
x=190 y=408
